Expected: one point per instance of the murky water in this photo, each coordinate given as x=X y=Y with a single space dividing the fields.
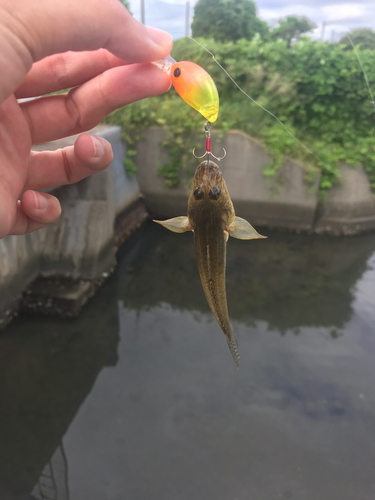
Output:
x=139 y=398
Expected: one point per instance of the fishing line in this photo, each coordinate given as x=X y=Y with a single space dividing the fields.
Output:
x=327 y=168
x=256 y=102
x=363 y=71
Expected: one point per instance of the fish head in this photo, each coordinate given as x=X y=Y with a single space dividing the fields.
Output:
x=209 y=195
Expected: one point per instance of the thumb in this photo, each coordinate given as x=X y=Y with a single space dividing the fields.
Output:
x=93 y=24
x=30 y=31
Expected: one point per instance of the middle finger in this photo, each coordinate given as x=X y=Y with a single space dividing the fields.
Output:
x=54 y=117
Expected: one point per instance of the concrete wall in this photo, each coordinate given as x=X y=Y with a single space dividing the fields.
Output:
x=81 y=244
x=286 y=201
x=349 y=207
x=100 y=211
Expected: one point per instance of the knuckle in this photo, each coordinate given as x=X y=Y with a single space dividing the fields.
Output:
x=68 y=168
x=73 y=111
x=104 y=54
x=102 y=92
x=58 y=67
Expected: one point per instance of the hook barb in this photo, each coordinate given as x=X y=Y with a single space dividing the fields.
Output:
x=200 y=157
x=221 y=157
x=207 y=153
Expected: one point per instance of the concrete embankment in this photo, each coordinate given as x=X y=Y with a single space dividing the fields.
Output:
x=61 y=266
x=287 y=201
x=56 y=269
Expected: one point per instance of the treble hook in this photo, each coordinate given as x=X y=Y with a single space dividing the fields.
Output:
x=208 y=152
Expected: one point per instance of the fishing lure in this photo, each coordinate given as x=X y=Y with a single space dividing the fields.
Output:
x=210 y=213
x=194 y=85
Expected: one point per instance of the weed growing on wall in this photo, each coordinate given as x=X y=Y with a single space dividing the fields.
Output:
x=316 y=89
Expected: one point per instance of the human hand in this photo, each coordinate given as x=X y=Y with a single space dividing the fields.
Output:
x=35 y=38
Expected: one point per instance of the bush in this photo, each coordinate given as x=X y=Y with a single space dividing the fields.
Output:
x=317 y=89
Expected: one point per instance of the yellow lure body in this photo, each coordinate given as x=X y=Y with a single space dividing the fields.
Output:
x=196 y=88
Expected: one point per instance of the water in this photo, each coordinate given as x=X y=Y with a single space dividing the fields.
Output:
x=139 y=398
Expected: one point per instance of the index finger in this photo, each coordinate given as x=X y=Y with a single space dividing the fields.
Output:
x=31 y=31
x=64 y=71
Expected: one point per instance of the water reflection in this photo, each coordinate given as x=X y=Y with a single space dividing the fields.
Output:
x=138 y=398
x=288 y=280
x=47 y=368
x=53 y=482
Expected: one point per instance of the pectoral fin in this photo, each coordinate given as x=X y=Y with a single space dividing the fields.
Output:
x=177 y=224
x=243 y=230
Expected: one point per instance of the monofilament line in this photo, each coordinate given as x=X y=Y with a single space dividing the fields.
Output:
x=323 y=164
x=363 y=71
x=257 y=103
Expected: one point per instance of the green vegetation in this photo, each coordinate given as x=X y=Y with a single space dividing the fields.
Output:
x=126 y=4
x=292 y=28
x=365 y=37
x=317 y=89
x=227 y=20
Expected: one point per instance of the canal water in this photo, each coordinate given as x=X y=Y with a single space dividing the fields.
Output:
x=139 y=398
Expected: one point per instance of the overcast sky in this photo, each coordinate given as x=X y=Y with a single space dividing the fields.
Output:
x=339 y=15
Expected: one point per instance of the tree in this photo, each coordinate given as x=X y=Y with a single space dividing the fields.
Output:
x=292 y=28
x=227 y=20
x=126 y=4
x=365 y=37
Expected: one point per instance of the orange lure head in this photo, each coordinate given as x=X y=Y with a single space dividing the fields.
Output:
x=197 y=88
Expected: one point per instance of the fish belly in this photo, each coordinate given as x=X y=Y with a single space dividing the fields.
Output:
x=210 y=246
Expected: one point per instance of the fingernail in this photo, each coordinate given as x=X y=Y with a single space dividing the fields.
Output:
x=98 y=143
x=159 y=37
x=41 y=202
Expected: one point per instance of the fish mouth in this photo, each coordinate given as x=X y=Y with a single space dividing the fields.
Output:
x=207 y=166
x=207 y=175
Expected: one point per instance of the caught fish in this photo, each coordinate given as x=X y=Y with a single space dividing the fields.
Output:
x=212 y=219
x=210 y=213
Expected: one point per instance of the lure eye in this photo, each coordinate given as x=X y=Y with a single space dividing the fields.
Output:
x=214 y=193
x=177 y=72
x=198 y=193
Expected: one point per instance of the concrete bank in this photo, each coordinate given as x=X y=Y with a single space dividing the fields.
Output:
x=286 y=202
x=56 y=269
x=61 y=266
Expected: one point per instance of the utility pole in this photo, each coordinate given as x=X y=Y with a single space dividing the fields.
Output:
x=143 y=20
x=187 y=19
x=324 y=24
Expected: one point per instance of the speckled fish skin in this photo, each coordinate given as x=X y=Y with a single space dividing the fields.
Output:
x=212 y=218
x=208 y=218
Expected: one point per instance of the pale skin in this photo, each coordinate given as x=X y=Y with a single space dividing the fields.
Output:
x=98 y=48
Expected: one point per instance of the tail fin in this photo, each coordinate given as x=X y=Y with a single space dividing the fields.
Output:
x=232 y=343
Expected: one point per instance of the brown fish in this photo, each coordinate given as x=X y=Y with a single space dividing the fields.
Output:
x=212 y=218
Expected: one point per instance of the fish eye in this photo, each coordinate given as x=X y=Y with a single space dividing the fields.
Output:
x=214 y=193
x=177 y=72
x=198 y=193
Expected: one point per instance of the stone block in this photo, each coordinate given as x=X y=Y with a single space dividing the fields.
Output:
x=81 y=245
x=285 y=201
x=58 y=296
x=349 y=207
x=159 y=199
x=19 y=266
x=126 y=189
